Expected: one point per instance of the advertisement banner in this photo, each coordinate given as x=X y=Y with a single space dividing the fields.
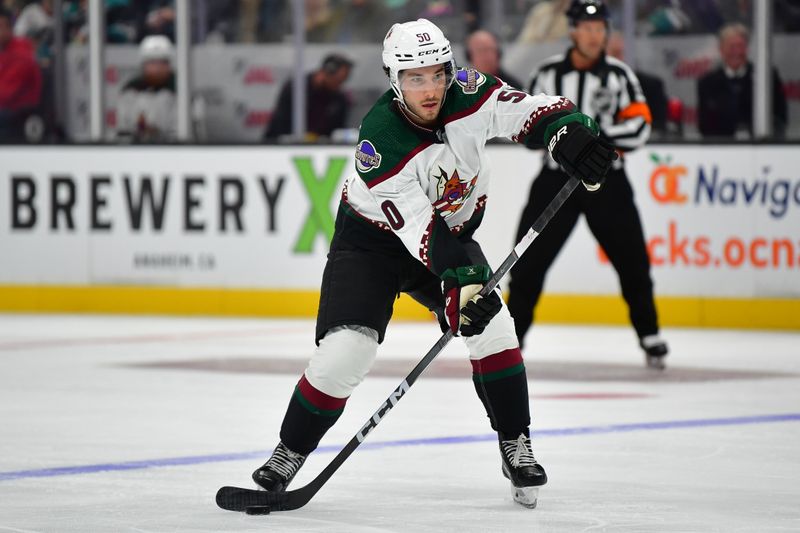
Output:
x=720 y=221
x=168 y=216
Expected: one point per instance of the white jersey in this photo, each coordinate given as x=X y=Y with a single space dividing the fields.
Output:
x=428 y=187
x=147 y=114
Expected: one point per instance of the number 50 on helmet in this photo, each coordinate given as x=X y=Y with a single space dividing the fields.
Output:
x=416 y=44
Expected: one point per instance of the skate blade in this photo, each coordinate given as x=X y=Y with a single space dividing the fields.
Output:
x=525 y=496
x=656 y=362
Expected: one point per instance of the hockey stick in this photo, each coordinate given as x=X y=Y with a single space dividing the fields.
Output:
x=262 y=502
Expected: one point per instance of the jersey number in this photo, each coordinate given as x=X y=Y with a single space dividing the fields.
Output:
x=392 y=215
x=423 y=37
x=514 y=96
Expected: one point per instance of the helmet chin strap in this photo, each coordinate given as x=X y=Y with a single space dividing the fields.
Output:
x=404 y=107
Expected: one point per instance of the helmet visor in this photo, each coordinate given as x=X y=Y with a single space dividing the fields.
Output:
x=434 y=77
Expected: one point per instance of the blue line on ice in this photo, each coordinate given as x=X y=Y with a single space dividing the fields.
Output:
x=432 y=441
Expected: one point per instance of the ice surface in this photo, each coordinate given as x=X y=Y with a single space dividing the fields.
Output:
x=131 y=424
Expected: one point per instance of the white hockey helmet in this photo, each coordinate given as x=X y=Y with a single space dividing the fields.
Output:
x=415 y=44
x=155 y=47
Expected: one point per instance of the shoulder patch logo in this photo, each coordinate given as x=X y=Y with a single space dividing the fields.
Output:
x=469 y=79
x=367 y=157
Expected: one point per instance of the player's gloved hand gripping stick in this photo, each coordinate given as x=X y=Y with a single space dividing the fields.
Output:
x=262 y=502
x=466 y=310
x=574 y=144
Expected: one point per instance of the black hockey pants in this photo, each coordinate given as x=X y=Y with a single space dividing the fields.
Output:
x=613 y=219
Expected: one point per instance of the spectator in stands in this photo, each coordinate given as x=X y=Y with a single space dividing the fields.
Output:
x=156 y=17
x=247 y=13
x=74 y=16
x=670 y=17
x=146 y=107
x=121 y=21
x=652 y=86
x=725 y=95
x=484 y=53
x=274 y=17
x=225 y=21
x=326 y=105
x=546 y=21
x=34 y=20
x=20 y=81
x=319 y=20
x=348 y=21
x=472 y=15
x=787 y=16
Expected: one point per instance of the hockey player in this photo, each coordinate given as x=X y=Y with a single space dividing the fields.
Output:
x=405 y=224
x=146 y=108
x=608 y=90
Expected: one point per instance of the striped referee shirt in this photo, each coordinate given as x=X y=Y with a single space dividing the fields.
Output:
x=609 y=92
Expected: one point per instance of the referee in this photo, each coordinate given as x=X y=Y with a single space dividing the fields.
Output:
x=607 y=90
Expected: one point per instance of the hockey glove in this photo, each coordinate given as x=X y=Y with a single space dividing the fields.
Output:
x=466 y=311
x=574 y=144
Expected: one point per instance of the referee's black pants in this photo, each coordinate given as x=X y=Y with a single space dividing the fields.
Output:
x=613 y=219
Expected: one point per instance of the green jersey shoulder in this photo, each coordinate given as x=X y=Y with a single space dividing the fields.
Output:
x=385 y=142
x=469 y=91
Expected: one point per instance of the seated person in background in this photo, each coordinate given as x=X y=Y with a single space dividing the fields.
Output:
x=121 y=24
x=484 y=53
x=355 y=21
x=35 y=18
x=725 y=95
x=146 y=108
x=20 y=81
x=652 y=86
x=326 y=104
x=156 y=17
x=546 y=22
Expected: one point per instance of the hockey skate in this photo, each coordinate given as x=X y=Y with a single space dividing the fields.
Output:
x=278 y=472
x=521 y=468
x=655 y=350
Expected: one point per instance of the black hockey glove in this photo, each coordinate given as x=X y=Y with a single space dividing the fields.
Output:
x=466 y=311
x=574 y=144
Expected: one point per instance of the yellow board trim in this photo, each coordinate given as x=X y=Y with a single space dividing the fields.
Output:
x=755 y=313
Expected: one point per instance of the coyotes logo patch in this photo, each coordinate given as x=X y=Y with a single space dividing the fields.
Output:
x=453 y=192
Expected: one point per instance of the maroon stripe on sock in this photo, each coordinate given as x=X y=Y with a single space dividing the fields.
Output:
x=496 y=362
x=317 y=398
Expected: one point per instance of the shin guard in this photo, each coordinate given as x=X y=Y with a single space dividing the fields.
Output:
x=502 y=386
x=310 y=415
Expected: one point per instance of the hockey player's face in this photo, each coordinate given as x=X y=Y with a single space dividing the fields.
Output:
x=423 y=91
x=156 y=72
x=590 y=38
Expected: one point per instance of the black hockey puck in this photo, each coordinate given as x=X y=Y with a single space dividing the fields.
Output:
x=258 y=509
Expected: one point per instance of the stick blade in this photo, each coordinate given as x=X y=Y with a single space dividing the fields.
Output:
x=240 y=499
